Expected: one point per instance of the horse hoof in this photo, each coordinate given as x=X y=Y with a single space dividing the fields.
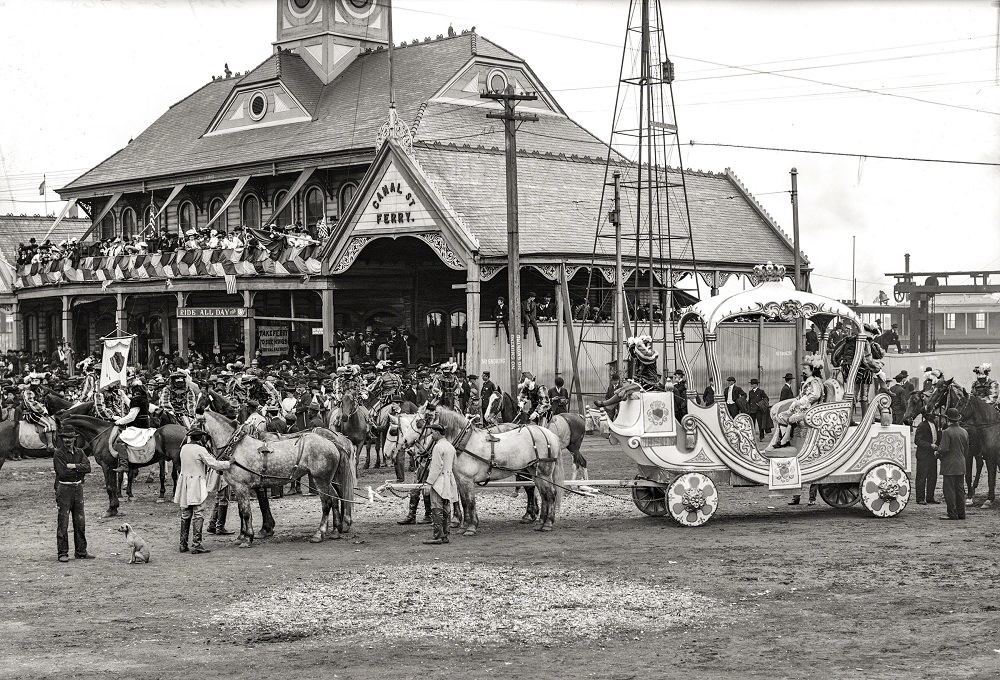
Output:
x=316 y=539
x=110 y=513
x=266 y=533
x=469 y=532
x=242 y=544
x=544 y=527
x=335 y=537
x=160 y=500
x=527 y=519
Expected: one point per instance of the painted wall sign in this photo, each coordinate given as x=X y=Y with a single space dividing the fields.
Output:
x=212 y=312
x=394 y=203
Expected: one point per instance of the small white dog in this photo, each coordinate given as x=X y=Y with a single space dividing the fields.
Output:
x=139 y=547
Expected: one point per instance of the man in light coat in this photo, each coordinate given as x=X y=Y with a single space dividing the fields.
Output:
x=192 y=488
x=440 y=484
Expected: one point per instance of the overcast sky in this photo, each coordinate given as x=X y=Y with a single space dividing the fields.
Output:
x=904 y=79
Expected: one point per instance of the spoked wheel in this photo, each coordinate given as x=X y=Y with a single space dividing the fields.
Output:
x=842 y=495
x=885 y=490
x=692 y=499
x=651 y=500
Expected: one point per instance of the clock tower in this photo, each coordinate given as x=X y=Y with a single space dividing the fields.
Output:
x=329 y=34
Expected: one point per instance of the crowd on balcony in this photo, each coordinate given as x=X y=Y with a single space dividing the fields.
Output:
x=270 y=238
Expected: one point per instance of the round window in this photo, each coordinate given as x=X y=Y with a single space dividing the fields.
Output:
x=360 y=9
x=301 y=4
x=497 y=81
x=258 y=105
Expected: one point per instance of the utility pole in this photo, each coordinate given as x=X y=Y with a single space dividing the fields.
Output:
x=615 y=217
x=799 y=322
x=510 y=119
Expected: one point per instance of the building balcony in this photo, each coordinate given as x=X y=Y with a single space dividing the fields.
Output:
x=169 y=265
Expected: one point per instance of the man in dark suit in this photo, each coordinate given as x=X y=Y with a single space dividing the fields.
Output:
x=708 y=396
x=530 y=317
x=613 y=386
x=489 y=389
x=812 y=340
x=680 y=395
x=500 y=317
x=787 y=391
x=735 y=397
x=951 y=451
x=899 y=396
x=925 y=438
x=759 y=407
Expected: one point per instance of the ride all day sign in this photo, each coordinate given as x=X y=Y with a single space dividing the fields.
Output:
x=272 y=341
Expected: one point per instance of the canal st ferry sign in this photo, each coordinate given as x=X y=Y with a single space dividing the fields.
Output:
x=212 y=312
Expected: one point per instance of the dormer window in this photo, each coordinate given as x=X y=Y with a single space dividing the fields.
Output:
x=257 y=105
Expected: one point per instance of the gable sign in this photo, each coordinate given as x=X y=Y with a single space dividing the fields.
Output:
x=394 y=206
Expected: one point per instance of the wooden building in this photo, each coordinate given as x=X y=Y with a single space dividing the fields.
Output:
x=414 y=197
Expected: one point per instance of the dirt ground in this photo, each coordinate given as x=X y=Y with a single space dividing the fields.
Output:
x=763 y=590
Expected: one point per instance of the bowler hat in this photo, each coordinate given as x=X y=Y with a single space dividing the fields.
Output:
x=953 y=415
x=754 y=381
x=789 y=376
x=900 y=378
x=730 y=379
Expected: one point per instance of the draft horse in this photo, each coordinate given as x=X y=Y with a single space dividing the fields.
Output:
x=982 y=421
x=256 y=464
x=95 y=435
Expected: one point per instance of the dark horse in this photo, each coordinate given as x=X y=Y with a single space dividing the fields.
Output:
x=10 y=446
x=95 y=435
x=983 y=424
x=351 y=420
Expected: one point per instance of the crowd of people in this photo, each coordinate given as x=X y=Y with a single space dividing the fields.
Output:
x=161 y=241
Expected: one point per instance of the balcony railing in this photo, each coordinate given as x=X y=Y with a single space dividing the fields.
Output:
x=205 y=262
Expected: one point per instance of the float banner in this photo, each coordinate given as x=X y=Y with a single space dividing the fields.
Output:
x=115 y=361
x=272 y=341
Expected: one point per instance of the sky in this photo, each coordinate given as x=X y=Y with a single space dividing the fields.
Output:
x=905 y=79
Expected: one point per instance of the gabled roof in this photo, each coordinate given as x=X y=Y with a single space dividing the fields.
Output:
x=293 y=72
x=346 y=114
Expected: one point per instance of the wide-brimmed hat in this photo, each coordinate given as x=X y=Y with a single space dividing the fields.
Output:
x=196 y=432
x=789 y=376
x=900 y=378
x=953 y=415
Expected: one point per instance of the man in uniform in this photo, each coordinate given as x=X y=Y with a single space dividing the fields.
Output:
x=951 y=451
x=440 y=484
x=388 y=386
x=179 y=400
x=71 y=464
x=192 y=488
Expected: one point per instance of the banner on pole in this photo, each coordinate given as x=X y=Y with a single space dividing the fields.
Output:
x=272 y=341
x=114 y=365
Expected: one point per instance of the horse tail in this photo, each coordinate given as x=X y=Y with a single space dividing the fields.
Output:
x=346 y=479
x=559 y=479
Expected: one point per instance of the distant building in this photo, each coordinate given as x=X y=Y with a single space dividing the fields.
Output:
x=958 y=321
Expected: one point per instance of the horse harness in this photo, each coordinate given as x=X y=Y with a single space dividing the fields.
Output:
x=491 y=464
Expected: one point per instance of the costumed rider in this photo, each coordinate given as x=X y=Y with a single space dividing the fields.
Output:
x=35 y=412
x=256 y=422
x=110 y=403
x=533 y=396
x=138 y=431
x=179 y=400
x=89 y=388
x=985 y=387
x=388 y=386
x=642 y=372
x=444 y=390
x=810 y=393
x=869 y=370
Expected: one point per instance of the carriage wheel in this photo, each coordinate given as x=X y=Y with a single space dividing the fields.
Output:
x=692 y=499
x=651 y=500
x=885 y=490
x=842 y=495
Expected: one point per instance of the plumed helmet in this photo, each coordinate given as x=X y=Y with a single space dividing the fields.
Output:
x=982 y=369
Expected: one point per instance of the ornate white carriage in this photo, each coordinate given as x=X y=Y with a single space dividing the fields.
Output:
x=682 y=465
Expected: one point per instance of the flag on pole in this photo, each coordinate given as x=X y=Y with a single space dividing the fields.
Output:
x=115 y=362
x=41 y=187
x=231 y=284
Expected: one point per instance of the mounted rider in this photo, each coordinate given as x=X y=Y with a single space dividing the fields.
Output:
x=871 y=365
x=533 y=395
x=34 y=411
x=642 y=371
x=138 y=431
x=985 y=387
x=90 y=379
x=256 y=422
x=387 y=386
x=446 y=383
x=179 y=399
x=110 y=402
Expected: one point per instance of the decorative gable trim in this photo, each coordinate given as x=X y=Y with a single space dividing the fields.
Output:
x=488 y=63
x=238 y=91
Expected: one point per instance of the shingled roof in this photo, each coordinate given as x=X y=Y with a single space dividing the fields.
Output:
x=473 y=180
x=346 y=114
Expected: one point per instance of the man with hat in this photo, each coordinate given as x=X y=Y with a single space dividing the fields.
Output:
x=34 y=411
x=445 y=388
x=421 y=461
x=951 y=450
x=734 y=397
x=440 y=483
x=925 y=437
x=193 y=487
x=530 y=317
x=71 y=464
x=759 y=408
x=179 y=399
x=810 y=393
x=787 y=391
x=899 y=396
x=679 y=388
x=889 y=338
x=535 y=397
x=985 y=387
x=488 y=389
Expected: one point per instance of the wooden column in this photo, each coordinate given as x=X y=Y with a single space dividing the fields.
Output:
x=473 y=303
x=15 y=315
x=560 y=326
x=249 y=328
x=329 y=329
x=120 y=311
x=181 y=339
x=67 y=331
